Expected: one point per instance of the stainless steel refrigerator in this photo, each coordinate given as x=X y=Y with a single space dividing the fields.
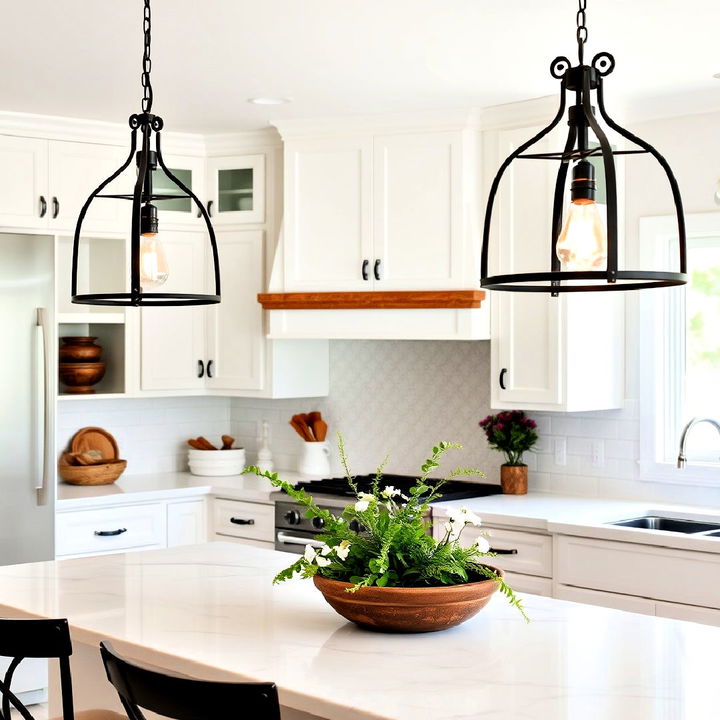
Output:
x=27 y=417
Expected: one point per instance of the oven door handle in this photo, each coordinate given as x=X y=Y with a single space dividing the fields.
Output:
x=295 y=540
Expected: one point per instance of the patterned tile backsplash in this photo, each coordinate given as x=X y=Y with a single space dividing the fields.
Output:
x=397 y=397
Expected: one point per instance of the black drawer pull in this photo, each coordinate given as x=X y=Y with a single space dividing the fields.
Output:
x=201 y=369
x=43 y=206
x=110 y=533
x=501 y=551
x=503 y=372
x=56 y=207
x=209 y=208
x=209 y=368
x=241 y=521
x=376 y=269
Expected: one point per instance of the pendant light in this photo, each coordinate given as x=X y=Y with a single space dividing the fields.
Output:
x=148 y=263
x=583 y=251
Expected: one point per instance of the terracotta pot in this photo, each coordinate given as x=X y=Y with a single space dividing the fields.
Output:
x=80 y=377
x=79 y=349
x=513 y=479
x=407 y=610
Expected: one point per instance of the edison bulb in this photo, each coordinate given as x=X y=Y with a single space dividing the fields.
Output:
x=582 y=244
x=153 y=262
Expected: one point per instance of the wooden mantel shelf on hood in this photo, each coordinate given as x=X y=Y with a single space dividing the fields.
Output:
x=374 y=300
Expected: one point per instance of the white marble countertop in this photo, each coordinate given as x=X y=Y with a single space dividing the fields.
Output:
x=588 y=517
x=572 y=661
x=165 y=486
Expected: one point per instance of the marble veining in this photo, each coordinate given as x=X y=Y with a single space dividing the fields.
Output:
x=213 y=607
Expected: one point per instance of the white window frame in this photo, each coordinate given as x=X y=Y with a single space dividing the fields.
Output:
x=662 y=355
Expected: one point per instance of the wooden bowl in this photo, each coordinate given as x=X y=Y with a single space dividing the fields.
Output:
x=104 y=474
x=80 y=377
x=408 y=610
x=79 y=349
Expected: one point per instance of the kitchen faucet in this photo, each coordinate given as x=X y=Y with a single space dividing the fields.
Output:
x=682 y=460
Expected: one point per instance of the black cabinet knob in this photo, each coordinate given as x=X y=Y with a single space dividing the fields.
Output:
x=292 y=517
x=318 y=523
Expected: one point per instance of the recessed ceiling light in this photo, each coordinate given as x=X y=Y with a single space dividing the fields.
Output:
x=269 y=101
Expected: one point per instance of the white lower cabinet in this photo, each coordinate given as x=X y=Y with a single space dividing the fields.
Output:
x=110 y=530
x=187 y=523
x=529 y=584
x=249 y=522
x=667 y=582
x=128 y=527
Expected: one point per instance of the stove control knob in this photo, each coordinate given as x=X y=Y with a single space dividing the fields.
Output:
x=292 y=517
x=318 y=523
x=355 y=526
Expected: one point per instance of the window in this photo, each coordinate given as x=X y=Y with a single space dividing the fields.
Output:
x=680 y=353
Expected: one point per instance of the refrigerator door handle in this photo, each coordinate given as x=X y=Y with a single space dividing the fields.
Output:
x=44 y=441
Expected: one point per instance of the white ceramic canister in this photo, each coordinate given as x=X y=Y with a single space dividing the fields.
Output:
x=314 y=460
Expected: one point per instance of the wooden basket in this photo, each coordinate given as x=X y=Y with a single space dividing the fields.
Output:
x=102 y=474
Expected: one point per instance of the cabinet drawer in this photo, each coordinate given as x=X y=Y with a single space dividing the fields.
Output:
x=129 y=527
x=534 y=552
x=681 y=576
x=235 y=518
x=529 y=584
x=244 y=541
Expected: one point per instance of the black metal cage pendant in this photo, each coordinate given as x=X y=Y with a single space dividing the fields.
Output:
x=145 y=267
x=590 y=262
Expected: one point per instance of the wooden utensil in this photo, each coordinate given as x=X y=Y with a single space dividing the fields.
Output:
x=205 y=443
x=301 y=428
x=305 y=420
x=320 y=429
x=227 y=442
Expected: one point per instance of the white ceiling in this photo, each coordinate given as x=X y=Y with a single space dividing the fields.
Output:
x=81 y=58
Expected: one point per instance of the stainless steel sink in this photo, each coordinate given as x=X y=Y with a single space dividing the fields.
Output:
x=654 y=522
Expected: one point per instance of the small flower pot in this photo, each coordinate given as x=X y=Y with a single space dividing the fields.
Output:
x=514 y=479
x=408 y=610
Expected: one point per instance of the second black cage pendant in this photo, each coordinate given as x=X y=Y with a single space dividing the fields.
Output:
x=148 y=265
x=583 y=254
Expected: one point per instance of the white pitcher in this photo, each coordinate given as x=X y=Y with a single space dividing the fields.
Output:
x=314 y=460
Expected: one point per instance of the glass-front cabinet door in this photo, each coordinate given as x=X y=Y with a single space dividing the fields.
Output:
x=191 y=172
x=237 y=189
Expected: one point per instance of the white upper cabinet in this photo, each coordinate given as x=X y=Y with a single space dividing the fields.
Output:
x=368 y=211
x=235 y=342
x=328 y=241
x=418 y=201
x=23 y=182
x=75 y=170
x=181 y=210
x=236 y=187
x=561 y=353
x=173 y=338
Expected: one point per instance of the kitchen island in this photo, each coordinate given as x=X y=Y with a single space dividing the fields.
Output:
x=210 y=611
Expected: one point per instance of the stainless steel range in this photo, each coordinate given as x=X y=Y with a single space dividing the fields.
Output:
x=293 y=531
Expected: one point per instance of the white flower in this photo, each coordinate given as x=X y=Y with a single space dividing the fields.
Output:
x=310 y=553
x=390 y=491
x=325 y=550
x=364 y=500
x=322 y=561
x=343 y=549
x=482 y=544
x=464 y=516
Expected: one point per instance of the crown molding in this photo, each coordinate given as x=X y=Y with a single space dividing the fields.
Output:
x=239 y=142
x=424 y=121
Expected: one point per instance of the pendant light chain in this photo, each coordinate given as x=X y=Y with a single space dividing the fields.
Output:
x=146 y=62
x=582 y=32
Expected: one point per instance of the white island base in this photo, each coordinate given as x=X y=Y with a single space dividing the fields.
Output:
x=210 y=611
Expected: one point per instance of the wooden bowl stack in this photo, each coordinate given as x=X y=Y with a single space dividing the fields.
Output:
x=92 y=459
x=80 y=367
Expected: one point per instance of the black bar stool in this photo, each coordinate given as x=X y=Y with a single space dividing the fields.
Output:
x=183 y=698
x=20 y=639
